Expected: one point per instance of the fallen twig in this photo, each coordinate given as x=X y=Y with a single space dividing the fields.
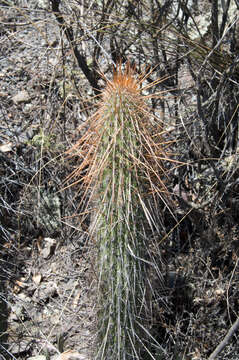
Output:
x=224 y=342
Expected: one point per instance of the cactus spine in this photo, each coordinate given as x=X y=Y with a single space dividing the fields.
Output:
x=121 y=149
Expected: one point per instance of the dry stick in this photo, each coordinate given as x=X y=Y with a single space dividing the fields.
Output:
x=224 y=342
x=68 y=31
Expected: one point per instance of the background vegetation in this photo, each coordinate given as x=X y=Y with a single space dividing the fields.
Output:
x=52 y=54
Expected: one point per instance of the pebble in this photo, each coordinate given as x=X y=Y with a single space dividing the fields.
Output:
x=20 y=97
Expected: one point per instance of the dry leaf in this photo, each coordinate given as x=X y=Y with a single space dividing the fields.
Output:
x=196 y=355
x=76 y=299
x=37 y=279
x=50 y=245
x=21 y=284
x=6 y=147
x=18 y=286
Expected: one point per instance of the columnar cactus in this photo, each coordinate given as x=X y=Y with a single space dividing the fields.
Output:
x=121 y=151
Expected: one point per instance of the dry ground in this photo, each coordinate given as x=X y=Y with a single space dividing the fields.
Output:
x=48 y=283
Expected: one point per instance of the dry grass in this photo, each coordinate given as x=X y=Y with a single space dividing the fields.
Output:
x=199 y=238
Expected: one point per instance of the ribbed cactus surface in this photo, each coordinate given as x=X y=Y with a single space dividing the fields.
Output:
x=121 y=150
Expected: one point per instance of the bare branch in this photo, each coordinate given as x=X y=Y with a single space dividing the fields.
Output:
x=68 y=31
x=224 y=342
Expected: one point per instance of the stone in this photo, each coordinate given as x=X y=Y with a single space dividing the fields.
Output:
x=43 y=4
x=21 y=97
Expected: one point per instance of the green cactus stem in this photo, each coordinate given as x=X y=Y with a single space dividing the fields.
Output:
x=122 y=152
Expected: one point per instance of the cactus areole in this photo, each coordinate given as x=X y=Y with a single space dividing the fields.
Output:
x=121 y=149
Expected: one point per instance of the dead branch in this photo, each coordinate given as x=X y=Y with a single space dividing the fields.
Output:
x=224 y=342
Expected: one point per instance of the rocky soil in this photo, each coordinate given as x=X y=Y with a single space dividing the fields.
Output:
x=48 y=285
x=47 y=280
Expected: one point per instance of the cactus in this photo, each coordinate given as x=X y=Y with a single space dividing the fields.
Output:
x=121 y=152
